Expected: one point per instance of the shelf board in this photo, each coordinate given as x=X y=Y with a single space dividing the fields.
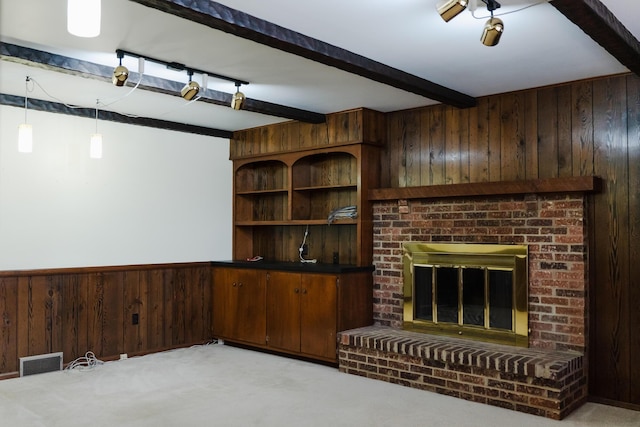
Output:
x=346 y=221
x=258 y=192
x=583 y=184
x=327 y=187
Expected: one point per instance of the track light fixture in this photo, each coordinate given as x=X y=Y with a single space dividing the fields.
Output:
x=493 y=28
x=492 y=32
x=120 y=73
x=449 y=9
x=191 y=89
x=237 y=101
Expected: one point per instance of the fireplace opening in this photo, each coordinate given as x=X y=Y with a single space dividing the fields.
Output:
x=475 y=291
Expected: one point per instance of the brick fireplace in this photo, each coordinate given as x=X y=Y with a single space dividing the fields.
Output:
x=549 y=377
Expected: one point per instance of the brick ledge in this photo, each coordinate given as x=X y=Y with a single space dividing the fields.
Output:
x=553 y=365
x=546 y=383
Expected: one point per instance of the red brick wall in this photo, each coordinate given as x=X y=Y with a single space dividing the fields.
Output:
x=553 y=227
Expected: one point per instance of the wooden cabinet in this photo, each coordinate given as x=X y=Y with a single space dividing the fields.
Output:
x=287 y=180
x=293 y=312
x=239 y=304
x=302 y=313
x=281 y=195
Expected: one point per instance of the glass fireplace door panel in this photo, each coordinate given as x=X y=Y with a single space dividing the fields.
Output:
x=423 y=293
x=473 y=296
x=501 y=299
x=447 y=294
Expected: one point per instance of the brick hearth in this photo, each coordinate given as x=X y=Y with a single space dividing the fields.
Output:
x=539 y=382
x=553 y=228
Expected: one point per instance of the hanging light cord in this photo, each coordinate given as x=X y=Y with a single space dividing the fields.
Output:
x=102 y=104
x=53 y=97
x=473 y=13
x=97 y=105
x=26 y=96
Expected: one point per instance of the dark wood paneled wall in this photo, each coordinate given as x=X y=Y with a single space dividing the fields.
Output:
x=579 y=129
x=91 y=309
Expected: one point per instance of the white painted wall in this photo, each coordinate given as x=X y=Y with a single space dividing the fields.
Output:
x=156 y=196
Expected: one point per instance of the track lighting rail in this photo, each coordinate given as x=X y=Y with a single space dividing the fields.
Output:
x=77 y=67
x=179 y=67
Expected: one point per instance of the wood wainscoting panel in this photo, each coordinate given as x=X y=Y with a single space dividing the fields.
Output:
x=107 y=310
x=8 y=324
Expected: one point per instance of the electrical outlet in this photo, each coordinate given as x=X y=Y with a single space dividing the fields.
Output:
x=135 y=319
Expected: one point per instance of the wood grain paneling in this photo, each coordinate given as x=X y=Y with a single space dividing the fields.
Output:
x=512 y=148
x=347 y=127
x=531 y=134
x=564 y=135
x=91 y=309
x=494 y=126
x=586 y=128
x=548 y=132
x=478 y=143
x=633 y=137
x=582 y=129
x=611 y=250
x=9 y=324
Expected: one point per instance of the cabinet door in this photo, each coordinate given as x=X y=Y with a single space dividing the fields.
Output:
x=240 y=308
x=249 y=318
x=221 y=294
x=283 y=311
x=318 y=317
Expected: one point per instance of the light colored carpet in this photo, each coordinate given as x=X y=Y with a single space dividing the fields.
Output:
x=220 y=385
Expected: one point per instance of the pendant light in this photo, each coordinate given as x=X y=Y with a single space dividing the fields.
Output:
x=25 y=131
x=83 y=18
x=95 y=145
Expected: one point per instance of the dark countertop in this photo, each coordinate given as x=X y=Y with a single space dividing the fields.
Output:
x=294 y=266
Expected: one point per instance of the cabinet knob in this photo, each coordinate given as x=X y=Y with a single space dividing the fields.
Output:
x=234 y=284
x=240 y=284
x=296 y=290
x=304 y=291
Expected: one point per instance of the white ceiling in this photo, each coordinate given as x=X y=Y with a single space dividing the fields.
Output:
x=539 y=47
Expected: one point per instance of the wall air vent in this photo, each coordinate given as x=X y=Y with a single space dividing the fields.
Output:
x=40 y=364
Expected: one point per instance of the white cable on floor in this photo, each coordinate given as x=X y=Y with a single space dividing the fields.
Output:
x=88 y=361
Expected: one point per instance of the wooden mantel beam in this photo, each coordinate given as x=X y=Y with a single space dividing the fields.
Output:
x=583 y=184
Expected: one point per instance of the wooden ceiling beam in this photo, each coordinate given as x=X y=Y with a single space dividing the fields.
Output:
x=240 y=24
x=599 y=23
x=90 y=113
x=77 y=67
